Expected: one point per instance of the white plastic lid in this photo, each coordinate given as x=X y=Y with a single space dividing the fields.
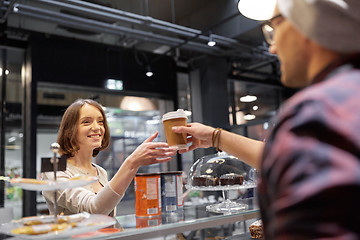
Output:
x=180 y=113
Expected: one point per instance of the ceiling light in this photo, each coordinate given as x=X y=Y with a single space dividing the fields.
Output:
x=114 y=84
x=6 y=72
x=257 y=9
x=255 y=107
x=211 y=41
x=149 y=73
x=137 y=104
x=15 y=8
x=249 y=117
x=248 y=98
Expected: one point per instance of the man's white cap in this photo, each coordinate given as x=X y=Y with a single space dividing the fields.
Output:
x=334 y=24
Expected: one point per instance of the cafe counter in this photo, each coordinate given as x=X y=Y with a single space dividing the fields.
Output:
x=194 y=220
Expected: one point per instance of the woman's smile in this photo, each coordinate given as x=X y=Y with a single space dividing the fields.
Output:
x=95 y=136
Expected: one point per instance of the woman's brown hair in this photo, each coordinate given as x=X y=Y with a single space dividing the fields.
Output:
x=68 y=128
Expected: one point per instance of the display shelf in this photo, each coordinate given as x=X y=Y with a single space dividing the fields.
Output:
x=54 y=226
x=246 y=185
x=49 y=185
x=91 y=222
x=194 y=218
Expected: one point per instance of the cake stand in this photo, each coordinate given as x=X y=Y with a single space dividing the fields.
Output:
x=217 y=165
x=227 y=206
x=90 y=223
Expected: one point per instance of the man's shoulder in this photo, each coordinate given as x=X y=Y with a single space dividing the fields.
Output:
x=337 y=90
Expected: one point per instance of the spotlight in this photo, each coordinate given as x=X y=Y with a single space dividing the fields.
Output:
x=149 y=73
x=211 y=41
x=249 y=117
x=6 y=72
x=248 y=98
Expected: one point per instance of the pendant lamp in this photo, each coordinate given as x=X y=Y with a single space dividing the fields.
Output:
x=257 y=9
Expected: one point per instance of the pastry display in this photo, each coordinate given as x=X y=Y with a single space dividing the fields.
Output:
x=231 y=179
x=205 y=180
x=47 y=219
x=40 y=229
x=256 y=229
x=45 y=226
x=49 y=185
x=47 y=182
x=28 y=180
x=221 y=171
x=224 y=180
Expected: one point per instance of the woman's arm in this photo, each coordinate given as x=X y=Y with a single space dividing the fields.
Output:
x=79 y=199
x=147 y=153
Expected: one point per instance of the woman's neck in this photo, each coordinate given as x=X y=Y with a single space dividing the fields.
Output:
x=82 y=159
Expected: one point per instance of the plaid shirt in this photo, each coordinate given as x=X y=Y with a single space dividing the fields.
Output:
x=310 y=173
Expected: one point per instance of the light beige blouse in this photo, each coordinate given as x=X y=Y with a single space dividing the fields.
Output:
x=82 y=199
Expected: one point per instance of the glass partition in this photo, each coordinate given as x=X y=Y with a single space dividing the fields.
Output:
x=253 y=102
x=11 y=61
x=131 y=120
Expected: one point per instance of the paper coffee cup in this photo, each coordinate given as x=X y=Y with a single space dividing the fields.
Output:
x=172 y=119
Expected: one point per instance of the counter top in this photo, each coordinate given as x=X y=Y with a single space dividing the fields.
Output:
x=191 y=218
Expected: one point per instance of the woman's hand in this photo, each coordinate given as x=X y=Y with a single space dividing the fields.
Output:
x=198 y=134
x=150 y=152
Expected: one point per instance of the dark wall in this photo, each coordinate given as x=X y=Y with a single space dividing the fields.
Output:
x=215 y=96
x=82 y=63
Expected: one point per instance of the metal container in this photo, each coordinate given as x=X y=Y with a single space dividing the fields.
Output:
x=143 y=222
x=147 y=194
x=171 y=192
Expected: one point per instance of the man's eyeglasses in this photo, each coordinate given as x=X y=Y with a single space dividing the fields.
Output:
x=268 y=30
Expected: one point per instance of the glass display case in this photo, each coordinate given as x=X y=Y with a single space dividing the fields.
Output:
x=194 y=220
x=224 y=172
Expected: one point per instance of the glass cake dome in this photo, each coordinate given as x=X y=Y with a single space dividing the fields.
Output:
x=220 y=171
x=223 y=172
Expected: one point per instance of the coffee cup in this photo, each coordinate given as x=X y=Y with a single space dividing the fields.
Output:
x=172 y=119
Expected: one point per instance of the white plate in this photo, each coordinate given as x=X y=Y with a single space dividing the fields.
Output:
x=47 y=185
x=46 y=219
x=93 y=223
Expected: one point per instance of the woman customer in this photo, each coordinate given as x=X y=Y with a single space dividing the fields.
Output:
x=82 y=135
